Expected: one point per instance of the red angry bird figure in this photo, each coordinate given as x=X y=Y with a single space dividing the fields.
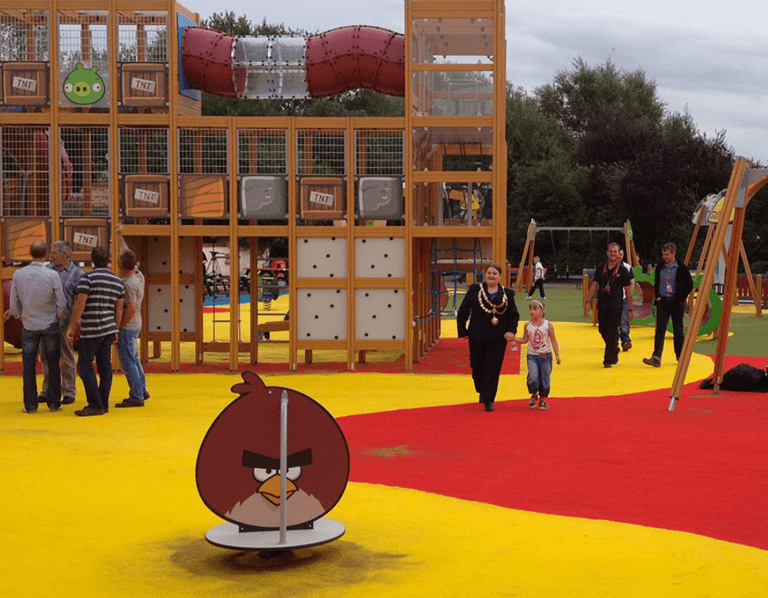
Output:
x=238 y=466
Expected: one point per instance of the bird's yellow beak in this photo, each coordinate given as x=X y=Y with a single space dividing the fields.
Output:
x=271 y=489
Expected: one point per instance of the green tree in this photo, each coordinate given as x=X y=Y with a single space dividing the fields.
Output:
x=645 y=164
x=544 y=182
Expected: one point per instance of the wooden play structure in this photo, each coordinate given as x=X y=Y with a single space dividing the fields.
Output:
x=366 y=206
x=708 y=213
x=744 y=183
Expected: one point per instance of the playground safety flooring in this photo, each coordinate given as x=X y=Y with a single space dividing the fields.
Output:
x=108 y=505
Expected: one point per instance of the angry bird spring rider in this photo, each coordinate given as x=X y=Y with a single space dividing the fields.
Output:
x=238 y=468
x=84 y=86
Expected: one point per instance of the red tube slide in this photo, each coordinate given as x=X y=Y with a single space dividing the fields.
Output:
x=356 y=58
x=206 y=58
x=336 y=61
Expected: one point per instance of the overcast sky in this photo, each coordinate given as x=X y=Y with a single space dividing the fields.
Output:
x=709 y=60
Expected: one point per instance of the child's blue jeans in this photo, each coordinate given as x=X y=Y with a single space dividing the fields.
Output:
x=539 y=371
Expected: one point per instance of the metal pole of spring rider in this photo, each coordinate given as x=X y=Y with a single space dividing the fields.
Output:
x=283 y=466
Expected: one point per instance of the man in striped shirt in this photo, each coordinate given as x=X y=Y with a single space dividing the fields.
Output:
x=100 y=298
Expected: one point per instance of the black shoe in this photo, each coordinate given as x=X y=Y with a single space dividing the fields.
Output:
x=67 y=400
x=41 y=398
x=146 y=395
x=489 y=407
x=607 y=365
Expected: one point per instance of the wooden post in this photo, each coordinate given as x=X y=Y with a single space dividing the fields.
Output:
x=705 y=249
x=731 y=279
x=694 y=236
x=521 y=268
x=750 y=278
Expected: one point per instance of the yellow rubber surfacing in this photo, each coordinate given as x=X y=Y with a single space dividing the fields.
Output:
x=108 y=505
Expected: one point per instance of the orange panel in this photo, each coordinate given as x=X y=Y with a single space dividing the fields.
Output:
x=203 y=196
x=19 y=234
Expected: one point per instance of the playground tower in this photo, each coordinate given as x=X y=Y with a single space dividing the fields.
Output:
x=100 y=127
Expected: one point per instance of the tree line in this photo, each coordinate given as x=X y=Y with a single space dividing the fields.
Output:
x=595 y=147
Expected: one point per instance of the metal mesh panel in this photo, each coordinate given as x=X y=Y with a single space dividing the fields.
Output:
x=142 y=36
x=85 y=182
x=379 y=153
x=84 y=40
x=24 y=182
x=143 y=151
x=320 y=152
x=262 y=151
x=24 y=36
x=203 y=151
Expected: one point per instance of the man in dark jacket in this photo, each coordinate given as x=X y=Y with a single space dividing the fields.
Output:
x=672 y=286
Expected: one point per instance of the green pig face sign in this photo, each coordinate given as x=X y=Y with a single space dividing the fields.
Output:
x=84 y=86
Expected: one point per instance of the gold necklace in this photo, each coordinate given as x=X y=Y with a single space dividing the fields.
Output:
x=493 y=309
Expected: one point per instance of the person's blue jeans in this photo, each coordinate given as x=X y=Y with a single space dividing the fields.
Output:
x=539 y=372
x=96 y=390
x=624 y=326
x=128 y=353
x=30 y=343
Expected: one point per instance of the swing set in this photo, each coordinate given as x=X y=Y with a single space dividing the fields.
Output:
x=745 y=182
x=525 y=272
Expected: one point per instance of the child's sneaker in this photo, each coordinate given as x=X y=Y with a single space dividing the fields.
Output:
x=542 y=404
x=534 y=400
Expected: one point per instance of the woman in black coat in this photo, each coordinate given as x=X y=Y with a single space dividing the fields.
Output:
x=493 y=317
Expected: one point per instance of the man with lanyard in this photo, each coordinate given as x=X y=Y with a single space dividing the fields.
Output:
x=70 y=273
x=672 y=285
x=611 y=278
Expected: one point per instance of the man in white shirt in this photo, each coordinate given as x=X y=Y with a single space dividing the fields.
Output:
x=130 y=327
x=538 y=278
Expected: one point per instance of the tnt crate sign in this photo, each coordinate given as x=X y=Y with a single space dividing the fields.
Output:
x=145 y=85
x=85 y=239
x=146 y=195
x=323 y=199
x=24 y=84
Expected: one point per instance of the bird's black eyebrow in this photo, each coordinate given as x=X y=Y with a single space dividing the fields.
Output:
x=251 y=459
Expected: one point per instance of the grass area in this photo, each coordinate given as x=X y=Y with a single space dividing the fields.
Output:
x=747 y=338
